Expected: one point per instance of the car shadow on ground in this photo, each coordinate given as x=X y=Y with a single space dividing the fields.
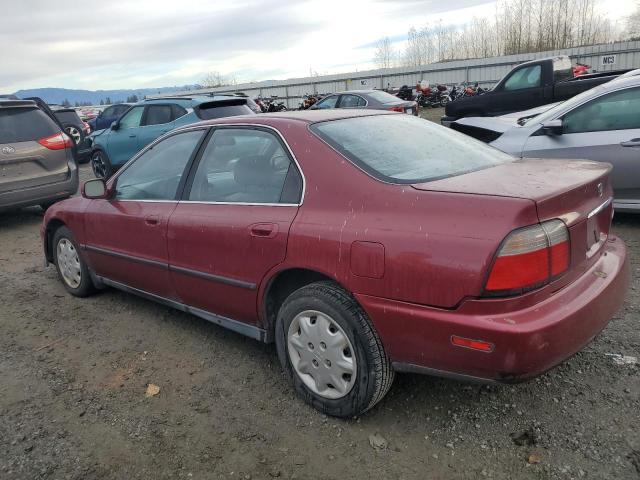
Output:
x=17 y=218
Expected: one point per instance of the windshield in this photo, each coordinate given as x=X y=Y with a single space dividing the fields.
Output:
x=405 y=149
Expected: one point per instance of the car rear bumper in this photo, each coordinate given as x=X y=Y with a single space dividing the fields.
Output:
x=42 y=193
x=527 y=341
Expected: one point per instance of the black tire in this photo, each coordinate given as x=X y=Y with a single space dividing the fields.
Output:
x=85 y=286
x=101 y=165
x=374 y=374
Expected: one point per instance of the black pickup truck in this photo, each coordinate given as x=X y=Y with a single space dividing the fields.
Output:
x=528 y=85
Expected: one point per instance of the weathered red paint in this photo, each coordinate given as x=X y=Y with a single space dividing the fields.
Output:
x=437 y=241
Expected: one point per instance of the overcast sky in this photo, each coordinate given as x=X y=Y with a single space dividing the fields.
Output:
x=155 y=43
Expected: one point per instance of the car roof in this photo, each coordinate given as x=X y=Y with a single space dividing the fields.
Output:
x=299 y=116
x=183 y=101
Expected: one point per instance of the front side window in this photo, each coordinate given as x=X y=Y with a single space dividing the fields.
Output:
x=527 y=77
x=158 y=115
x=132 y=118
x=109 y=112
x=245 y=166
x=434 y=152
x=351 y=101
x=329 y=102
x=615 y=111
x=156 y=174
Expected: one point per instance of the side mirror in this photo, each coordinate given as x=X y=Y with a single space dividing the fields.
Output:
x=115 y=125
x=552 y=127
x=94 y=189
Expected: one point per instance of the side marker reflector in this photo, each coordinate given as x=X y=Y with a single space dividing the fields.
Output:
x=479 y=345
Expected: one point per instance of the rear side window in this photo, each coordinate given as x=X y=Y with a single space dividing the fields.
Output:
x=406 y=149
x=68 y=117
x=206 y=112
x=158 y=114
x=383 y=97
x=25 y=124
x=177 y=111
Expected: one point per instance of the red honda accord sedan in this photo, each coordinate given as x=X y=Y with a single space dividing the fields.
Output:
x=361 y=243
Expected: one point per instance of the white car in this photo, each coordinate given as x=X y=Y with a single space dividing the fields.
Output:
x=600 y=124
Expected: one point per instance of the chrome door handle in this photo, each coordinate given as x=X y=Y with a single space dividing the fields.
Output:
x=635 y=142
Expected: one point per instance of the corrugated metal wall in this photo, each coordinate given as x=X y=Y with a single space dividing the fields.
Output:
x=485 y=71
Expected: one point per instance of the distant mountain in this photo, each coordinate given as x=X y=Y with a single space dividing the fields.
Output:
x=59 y=95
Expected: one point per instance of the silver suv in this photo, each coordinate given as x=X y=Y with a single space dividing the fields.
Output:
x=37 y=163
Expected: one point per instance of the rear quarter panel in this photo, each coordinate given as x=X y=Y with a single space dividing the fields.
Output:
x=437 y=246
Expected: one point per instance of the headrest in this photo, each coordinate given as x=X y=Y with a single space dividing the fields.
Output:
x=255 y=170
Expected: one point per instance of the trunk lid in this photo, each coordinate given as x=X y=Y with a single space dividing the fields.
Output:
x=564 y=189
x=577 y=192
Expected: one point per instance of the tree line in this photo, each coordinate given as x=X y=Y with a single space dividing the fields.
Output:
x=518 y=26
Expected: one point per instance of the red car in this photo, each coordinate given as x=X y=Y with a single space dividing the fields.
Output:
x=362 y=243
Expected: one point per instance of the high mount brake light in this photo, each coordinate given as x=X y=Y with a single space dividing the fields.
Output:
x=58 y=141
x=529 y=258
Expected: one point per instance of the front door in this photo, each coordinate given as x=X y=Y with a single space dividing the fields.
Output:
x=606 y=129
x=233 y=224
x=123 y=142
x=126 y=236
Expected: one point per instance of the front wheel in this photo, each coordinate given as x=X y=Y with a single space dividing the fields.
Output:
x=72 y=269
x=330 y=351
x=100 y=165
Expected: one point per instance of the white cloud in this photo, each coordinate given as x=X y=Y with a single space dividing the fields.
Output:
x=149 y=43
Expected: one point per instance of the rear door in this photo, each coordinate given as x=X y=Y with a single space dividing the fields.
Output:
x=25 y=163
x=233 y=223
x=123 y=142
x=127 y=234
x=605 y=129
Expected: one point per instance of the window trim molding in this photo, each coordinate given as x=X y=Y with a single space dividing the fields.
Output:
x=246 y=126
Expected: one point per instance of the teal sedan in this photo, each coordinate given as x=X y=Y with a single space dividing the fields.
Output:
x=149 y=119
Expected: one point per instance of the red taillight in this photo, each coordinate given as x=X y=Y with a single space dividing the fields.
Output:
x=59 y=141
x=397 y=109
x=529 y=258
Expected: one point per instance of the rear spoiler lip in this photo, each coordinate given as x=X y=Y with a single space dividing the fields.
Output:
x=219 y=103
x=17 y=103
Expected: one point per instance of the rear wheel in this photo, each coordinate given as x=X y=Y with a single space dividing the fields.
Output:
x=330 y=351
x=100 y=165
x=74 y=133
x=71 y=267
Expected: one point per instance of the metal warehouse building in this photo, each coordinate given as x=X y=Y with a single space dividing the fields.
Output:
x=485 y=71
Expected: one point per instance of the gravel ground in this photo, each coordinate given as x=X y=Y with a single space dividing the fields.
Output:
x=73 y=376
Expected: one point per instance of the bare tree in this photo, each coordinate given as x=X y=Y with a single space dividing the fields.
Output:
x=216 y=79
x=633 y=24
x=385 y=53
x=519 y=26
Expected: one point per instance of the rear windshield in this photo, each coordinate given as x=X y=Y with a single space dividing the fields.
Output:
x=383 y=97
x=405 y=149
x=209 y=113
x=25 y=124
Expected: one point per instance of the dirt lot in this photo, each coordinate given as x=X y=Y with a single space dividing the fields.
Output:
x=73 y=375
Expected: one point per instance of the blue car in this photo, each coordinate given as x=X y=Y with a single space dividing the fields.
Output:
x=108 y=116
x=149 y=119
